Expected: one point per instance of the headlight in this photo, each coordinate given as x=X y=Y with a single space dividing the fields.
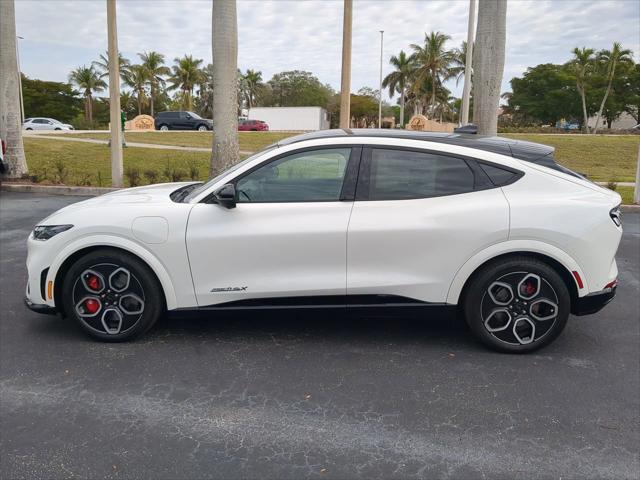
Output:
x=45 y=232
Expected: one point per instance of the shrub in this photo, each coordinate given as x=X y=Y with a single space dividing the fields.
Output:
x=99 y=179
x=61 y=172
x=133 y=175
x=194 y=171
x=612 y=185
x=178 y=175
x=86 y=179
x=151 y=175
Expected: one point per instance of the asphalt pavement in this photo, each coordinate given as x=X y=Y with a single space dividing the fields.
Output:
x=312 y=395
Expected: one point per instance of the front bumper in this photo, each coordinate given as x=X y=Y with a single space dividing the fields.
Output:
x=39 y=307
x=594 y=302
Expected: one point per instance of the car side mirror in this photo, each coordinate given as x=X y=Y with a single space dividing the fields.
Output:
x=226 y=195
x=188 y=117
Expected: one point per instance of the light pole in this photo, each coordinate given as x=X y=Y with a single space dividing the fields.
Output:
x=345 y=86
x=380 y=84
x=466 y=92
x=20 y=80
x=114 y=96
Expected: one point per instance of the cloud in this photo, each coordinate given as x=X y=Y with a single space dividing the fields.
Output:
x=277 y=35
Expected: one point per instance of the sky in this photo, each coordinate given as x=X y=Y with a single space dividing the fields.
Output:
x=279 y=35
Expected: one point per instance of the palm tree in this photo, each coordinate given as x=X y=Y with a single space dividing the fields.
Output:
x=225 y=151
x=186 y=75
x=488 y=64
x=137 y=79
x=582 y=65
x=153 y=62
x=397 y=80
x=459 y=62
x=610 y=59
x=253 y=86
x=432 y=62
x=10 y=119
x=103 y=65
x=89 y=81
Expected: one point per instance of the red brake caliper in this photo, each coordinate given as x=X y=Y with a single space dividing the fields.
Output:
x=93 y=282
x=91 y=305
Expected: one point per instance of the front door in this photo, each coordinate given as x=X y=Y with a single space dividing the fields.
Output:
x=287 y=236
x=417 y=218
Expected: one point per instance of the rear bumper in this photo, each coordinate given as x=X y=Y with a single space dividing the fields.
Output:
x=39 y=307
x=594 y=302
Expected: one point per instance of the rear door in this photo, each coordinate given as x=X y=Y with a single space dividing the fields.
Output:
x=418 y=216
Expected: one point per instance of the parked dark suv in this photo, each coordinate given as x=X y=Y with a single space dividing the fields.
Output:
x=182 y=121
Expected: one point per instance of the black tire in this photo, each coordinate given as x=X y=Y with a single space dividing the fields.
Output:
x=520 y=325
x=57 y=129
x=29 y=128
x=164 y=128
x=202 y=128
x=142 y=283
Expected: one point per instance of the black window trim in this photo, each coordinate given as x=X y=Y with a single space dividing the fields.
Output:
x=347 y=192
x=517 y=174
x=481 y=181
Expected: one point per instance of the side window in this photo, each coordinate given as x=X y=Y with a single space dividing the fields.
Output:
x=499 y=176
x=403 y=174
x=311 y=176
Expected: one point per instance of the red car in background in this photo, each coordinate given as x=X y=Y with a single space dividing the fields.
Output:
x=252 y=126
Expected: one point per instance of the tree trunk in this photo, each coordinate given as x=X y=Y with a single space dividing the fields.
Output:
x=225 y=150
x=604 y=100
x=488 y=61
x=10 y=118
x=90 y=102
x=402 y=107
x=153 y=92
x=139 y=103
x=433 y=96
x=584 y=110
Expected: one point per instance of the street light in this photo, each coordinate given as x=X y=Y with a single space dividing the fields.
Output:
x=380 y=85
x=20 y=80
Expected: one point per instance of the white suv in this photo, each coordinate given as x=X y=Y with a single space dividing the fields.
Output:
x=42 y=123
x=490 y=228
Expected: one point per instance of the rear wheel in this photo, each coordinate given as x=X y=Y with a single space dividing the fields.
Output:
x=112 y=295
x=517 y=305
x=164 y=128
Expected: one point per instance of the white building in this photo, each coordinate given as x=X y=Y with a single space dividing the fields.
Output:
x=292 y=118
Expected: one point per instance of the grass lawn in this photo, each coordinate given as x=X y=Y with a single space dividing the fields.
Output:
x=602 y=158
x=627 y=195
x=249 y=141
x=73 y=163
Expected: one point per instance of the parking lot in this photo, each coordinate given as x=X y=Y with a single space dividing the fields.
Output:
x=312 y=395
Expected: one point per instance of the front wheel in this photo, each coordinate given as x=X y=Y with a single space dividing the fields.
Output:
x=202 y=128
x=517 y=305
x=112 y=295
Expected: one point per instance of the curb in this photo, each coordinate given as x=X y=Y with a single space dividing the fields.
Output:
x=56 y=189
x=630 y=208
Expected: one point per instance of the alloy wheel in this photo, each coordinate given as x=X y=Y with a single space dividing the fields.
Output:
x=108 y=298
x=519 y=308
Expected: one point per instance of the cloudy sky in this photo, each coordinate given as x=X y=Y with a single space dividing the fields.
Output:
x=278 y=35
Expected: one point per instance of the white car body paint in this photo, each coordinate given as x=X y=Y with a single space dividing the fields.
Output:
x=422 y=249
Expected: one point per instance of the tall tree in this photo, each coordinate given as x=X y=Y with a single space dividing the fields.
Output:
x=102 y=65
x=397 y=80
x=10 y=119
x=253 y=86
x=89 y=81
x=297 y=88
x=153 y=62
x=432 y=63
x=581 y=66
x=610 y=59
x=186 y=74
x=50 y=99
x=488 y=61
x=137 y=80
x=225 y=150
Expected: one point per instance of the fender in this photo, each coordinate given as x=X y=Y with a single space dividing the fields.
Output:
x=512 y=246
x=104 y=240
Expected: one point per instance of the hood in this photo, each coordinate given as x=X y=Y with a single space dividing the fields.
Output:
x=149 y=194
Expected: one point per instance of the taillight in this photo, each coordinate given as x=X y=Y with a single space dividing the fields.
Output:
x=616 y=216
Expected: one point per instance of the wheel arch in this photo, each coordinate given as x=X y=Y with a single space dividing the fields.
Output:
x=68 y=256
x=562 y=263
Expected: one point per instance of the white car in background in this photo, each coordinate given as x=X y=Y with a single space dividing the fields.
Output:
x=487 y=227
x=42 y=123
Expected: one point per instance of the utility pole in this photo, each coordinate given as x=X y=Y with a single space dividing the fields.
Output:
x=345 y=86
x=380 y=84
x=114 y=96
x=466 y=92
x=20 y=78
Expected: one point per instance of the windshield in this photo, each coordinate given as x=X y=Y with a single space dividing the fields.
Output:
x=195 y=115
x=201 y=188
